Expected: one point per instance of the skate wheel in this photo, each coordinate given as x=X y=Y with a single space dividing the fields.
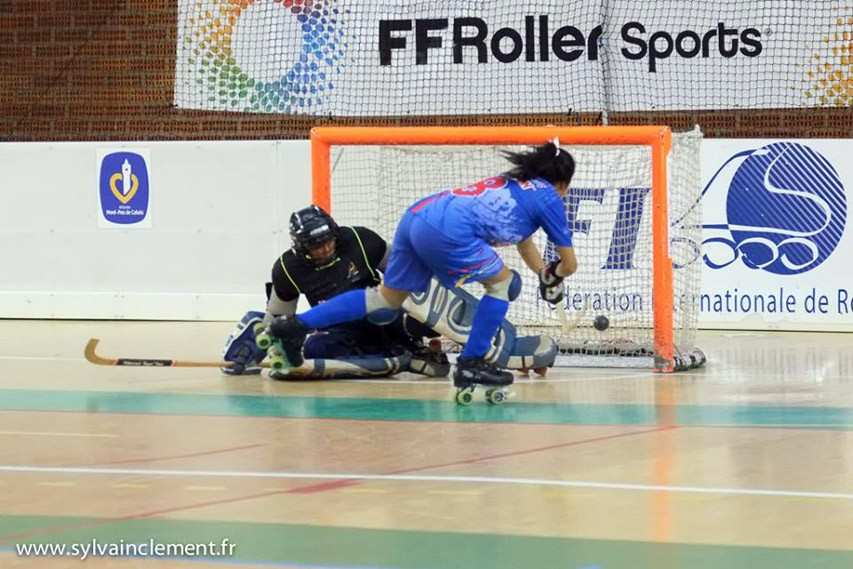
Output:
x=263 y=340
x=496 y=396
x=278 y=363
x=465 y=397
x=258 y=328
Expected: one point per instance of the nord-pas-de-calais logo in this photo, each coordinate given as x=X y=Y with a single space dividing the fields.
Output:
x=785 y=211
x=124 y=189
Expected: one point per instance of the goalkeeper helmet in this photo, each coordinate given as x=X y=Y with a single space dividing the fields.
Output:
x=310 y=228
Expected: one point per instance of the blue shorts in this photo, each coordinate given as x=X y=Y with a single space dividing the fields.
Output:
x=420 y=251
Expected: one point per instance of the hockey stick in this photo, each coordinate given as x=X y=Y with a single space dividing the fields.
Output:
x=94 y=358
x=568 y=325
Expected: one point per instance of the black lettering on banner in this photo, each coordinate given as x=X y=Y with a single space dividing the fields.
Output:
x=544 y=47
x=568 y=43
x=750 y=38
x=460 y=40
x=723 y=31
x=629 y=39
x=695 y=45
x=706 y=42
x=529 y=38
x=423 y=41
x=559 y=43
x=592 y=43
x=514 y=37
x=387 y=42
x=655 y=53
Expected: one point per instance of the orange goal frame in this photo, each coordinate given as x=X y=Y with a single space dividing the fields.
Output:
x=658 y=138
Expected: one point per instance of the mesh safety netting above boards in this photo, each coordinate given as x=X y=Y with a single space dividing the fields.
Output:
x=379 y=58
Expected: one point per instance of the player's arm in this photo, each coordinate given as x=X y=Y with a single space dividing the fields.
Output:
x=568 y=262
x=278 y=307
x=283 y=295
x=553 y=222
x=530 y=255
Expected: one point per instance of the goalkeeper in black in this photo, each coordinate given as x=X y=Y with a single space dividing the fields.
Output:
x=326 y=260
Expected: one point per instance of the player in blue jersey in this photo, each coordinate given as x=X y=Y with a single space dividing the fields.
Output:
x=451 y=235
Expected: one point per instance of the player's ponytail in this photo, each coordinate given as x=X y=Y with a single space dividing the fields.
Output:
x=547 y=161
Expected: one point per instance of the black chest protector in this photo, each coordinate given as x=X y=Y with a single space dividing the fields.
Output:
x=349 y=269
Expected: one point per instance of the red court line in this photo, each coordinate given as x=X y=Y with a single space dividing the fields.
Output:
x=324 y=486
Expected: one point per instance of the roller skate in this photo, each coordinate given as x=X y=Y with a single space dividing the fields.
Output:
x=430 y=360
x=283 y=342
x=471 y=372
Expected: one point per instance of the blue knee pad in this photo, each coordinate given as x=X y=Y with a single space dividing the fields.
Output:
x=514 y=286
x=382 y=316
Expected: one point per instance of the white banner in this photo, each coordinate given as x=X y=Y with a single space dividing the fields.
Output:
x=776 y=247
x=394 y=58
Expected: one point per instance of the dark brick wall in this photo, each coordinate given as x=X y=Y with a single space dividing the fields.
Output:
x=103 y=70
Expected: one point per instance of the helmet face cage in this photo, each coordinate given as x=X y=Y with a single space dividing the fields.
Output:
x=310 y=227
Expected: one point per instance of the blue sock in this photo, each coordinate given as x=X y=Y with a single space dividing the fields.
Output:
x=487 y=319
x=345 y=307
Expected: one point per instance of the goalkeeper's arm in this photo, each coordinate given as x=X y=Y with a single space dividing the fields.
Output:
x=277 y=307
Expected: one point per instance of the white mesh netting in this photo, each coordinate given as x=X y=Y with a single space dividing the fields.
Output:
x=608 y=208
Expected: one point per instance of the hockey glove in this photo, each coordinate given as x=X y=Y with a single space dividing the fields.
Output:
x=551 y=284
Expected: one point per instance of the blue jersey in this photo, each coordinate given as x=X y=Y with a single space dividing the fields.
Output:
x=499 y=210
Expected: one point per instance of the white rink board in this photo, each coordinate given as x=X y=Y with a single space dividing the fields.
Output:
x=220 y=219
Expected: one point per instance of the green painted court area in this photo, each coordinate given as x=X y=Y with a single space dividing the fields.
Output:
x=367 y=409
x=284 y=545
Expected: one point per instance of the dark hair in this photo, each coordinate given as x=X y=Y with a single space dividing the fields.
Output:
x=547 y=161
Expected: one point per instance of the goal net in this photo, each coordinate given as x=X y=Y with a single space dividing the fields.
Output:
x=636 y=235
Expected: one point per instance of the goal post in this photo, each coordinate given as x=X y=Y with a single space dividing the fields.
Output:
x=367 y=189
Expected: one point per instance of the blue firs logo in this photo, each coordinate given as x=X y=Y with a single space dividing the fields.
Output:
x=124 y=188
x=786 y=211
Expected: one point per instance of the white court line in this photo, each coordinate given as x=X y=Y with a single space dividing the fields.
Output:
x=426 y=478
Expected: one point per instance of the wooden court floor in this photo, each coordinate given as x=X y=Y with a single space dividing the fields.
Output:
x=747 y=463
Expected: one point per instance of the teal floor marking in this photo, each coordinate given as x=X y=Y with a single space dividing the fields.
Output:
x=420 y=409
x=317 y=546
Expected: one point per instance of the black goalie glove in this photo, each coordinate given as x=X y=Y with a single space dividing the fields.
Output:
x=551 y=284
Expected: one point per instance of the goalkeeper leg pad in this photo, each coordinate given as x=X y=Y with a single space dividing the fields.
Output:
x=240 y=347
x=356 y=367
x=451 y=312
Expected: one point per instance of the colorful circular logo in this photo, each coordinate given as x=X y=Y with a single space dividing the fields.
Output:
x=276 y=56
